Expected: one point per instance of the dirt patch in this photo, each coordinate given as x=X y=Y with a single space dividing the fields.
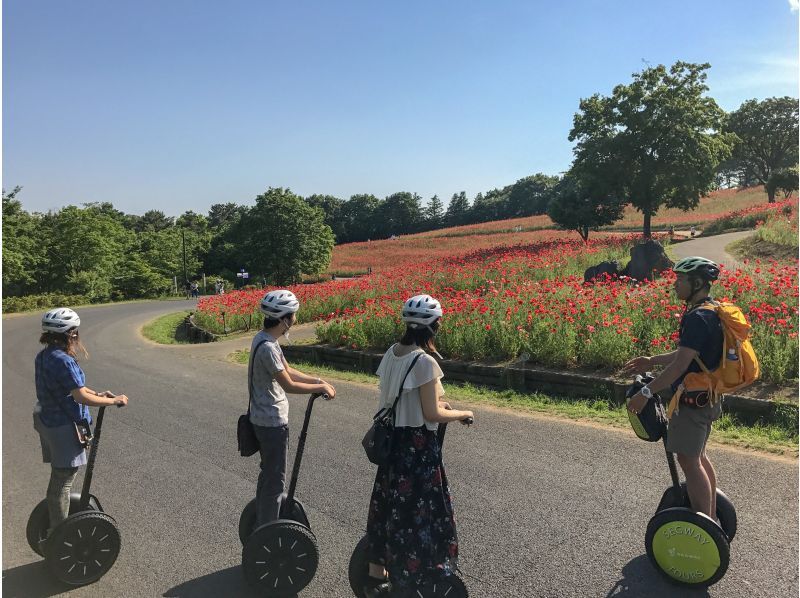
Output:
x=755 y=248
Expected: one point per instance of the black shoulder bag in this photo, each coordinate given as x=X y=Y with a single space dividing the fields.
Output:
x=245 y=434
x=377 y=441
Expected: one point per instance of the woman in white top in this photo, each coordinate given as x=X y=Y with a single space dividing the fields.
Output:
x=411 y=526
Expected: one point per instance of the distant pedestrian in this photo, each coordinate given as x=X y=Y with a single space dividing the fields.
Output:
x=195 y=288
x=692 y=232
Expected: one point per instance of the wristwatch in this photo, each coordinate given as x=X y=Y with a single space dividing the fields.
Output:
x=646 y=392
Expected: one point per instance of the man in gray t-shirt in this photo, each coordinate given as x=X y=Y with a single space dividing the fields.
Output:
x=269 y=410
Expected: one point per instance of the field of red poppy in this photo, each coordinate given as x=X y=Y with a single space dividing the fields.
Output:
x=385 y=254
x=529 y=301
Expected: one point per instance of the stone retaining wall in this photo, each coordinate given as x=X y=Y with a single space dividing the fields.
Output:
x=520 y=377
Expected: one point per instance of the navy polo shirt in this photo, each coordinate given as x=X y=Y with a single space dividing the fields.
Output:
x=57 y=375
x=701 y=330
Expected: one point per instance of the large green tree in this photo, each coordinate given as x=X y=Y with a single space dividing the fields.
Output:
x=578 y=208
x=767 y=133
x=23 y=247
x=332 y=207
x=655 y=141
x=434 y=213
x=282 y=237
x=398 y=214
x=358 y=216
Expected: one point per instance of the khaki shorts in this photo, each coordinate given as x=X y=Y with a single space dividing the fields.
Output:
x=689 y=428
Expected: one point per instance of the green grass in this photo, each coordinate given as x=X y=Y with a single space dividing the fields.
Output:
x=754 y=247
x=779 y=435
x=167 y=329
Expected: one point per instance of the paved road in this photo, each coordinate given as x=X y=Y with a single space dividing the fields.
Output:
x=712 y=247
x=545 y=507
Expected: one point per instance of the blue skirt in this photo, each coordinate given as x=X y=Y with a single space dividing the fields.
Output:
x=60 y=446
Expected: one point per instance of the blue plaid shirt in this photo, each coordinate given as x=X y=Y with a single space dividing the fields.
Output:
x=57 y=375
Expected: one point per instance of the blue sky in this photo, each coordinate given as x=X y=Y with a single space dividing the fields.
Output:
x=179 y=104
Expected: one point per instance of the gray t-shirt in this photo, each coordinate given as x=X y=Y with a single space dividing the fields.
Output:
x=269 y=407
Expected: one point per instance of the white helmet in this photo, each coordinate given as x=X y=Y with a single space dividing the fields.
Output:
x=421 y=311
x=278 y=304
x=60 y=319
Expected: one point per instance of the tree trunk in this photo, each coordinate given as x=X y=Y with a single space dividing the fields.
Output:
x=583 y=231
x=646 y=226
x=770 y=194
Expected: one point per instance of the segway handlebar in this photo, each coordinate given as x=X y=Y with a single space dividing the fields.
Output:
x=301 y=442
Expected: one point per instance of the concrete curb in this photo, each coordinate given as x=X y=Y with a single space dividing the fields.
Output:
x=516 y=376
x=197 y=334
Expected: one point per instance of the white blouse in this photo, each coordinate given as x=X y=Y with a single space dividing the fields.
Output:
x=409 y=407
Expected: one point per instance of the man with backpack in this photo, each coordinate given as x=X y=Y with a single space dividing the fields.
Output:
x=696 y=375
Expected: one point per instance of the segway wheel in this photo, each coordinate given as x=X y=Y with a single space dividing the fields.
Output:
x=358 y=569
x=280 y=558
x=726 y=513
x=688 y=548
x=297 y=512
x=451 y=586
x=247 y=521
x=39 y=521
x=83 y=547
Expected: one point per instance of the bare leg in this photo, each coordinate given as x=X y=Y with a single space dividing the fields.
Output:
x=377 y=571
x=697 y=484
x=712 y=478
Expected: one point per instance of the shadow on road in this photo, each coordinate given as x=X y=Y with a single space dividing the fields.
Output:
x=228 y=582
x=31 y=581
x=639 y=578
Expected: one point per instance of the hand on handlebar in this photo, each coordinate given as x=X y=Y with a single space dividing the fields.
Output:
x=329 y=391
x=120 y=400
x=469 y=419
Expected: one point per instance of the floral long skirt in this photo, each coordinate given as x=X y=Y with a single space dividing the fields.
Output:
x=411 y=525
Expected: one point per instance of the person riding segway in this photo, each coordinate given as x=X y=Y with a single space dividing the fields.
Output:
x=270 y=378
x=79 y=541
x=714 y=356
x=408 y=550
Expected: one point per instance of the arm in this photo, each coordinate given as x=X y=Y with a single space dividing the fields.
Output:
x=291 y=386
x=298 y=376
x=683 y=357
x=87 y=396
x=640 y=365
x=434 y=410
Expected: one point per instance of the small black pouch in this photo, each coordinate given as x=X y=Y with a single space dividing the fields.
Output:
x=651 y=423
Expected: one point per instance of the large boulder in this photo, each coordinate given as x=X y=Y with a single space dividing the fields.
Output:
x=648 y=259
x=611 y=268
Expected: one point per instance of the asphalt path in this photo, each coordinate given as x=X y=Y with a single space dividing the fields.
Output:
x=545 y=507
x=712 y=247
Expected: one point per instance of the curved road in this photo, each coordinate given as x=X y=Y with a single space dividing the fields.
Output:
x=712 y=247
x=546 y=507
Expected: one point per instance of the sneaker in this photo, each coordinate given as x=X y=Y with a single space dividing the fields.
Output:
x=375 y=588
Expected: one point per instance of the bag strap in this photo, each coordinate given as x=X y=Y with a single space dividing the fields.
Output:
x=250 y=374
x=400 y=392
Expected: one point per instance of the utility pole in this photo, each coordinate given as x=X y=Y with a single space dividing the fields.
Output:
x=183 y=236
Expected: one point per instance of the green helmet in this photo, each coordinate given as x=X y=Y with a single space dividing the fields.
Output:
x=698 y=266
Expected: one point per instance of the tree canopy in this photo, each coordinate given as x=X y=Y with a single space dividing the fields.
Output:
x=655 y=141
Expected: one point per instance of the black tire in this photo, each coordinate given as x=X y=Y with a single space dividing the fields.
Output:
x=358 y=569
x=451 y=586
x=726 y=513
x=39 y=520
x=280 y=558
x=697 y=559
x=297 y=512
x=83 y=548
x=247 y=521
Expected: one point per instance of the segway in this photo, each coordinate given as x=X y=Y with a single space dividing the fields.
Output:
x=280 y=558
x=451 y=586
x=83 y=547
x=688 y=548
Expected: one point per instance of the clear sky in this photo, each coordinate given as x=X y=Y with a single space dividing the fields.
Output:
x=179 y=104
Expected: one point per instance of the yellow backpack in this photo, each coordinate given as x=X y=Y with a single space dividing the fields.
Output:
x=738 y=366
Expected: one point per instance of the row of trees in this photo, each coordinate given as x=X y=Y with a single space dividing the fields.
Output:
x=102 y=253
